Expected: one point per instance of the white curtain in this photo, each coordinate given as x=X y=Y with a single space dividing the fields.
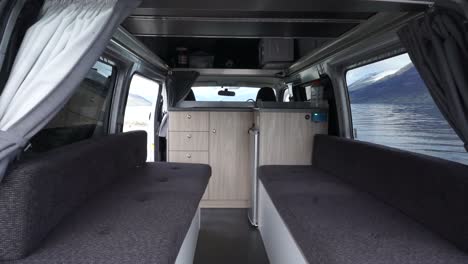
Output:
x=48 y=53
x=54 y=51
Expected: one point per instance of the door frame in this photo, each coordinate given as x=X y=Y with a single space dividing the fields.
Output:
x=9 y=11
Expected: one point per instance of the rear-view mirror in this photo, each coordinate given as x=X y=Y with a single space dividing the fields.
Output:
x=226 y=92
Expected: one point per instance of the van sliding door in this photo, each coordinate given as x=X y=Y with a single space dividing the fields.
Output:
x=140 y=111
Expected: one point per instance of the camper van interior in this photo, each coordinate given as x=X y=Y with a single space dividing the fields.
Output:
x=234 y=132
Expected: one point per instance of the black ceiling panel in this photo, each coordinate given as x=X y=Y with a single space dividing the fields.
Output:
x=233 y=29
x=346 y=6
x=259 y=18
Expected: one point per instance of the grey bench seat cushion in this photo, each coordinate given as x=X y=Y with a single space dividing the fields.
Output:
x=430 y=190
x=38 y=192
x=333 y=222
x=142 y=218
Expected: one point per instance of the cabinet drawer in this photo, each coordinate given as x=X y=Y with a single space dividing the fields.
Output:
x=188 y=121
x=188 y=157
x=193 y=141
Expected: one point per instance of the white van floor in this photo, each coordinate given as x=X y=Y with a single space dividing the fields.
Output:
x=227 y=237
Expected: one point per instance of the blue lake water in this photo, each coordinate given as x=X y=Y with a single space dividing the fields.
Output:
x=417 y=128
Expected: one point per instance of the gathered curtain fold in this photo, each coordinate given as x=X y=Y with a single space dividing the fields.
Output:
x=54 y=57
x=179 y=84
x=437 y=43
x=49 y=51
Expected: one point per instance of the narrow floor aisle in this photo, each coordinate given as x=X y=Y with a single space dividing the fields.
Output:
x=226 y=237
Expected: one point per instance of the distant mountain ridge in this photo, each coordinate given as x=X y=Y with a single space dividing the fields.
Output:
x=370 y=79
x=403 y=87
x=136 y=100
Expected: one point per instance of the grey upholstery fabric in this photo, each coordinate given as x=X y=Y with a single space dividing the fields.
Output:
x=364 y=203
x=38 y=193
x=432 y=191
x=98 y=201
x=334 y=223
x=142 y=218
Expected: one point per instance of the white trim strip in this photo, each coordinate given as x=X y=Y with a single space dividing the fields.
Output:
x=279 y=243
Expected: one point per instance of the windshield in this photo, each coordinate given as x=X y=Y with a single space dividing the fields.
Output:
x=233 y=94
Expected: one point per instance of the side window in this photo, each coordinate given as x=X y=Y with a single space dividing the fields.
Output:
x=86 y=113
x=311 y=92
x=164 y=99
x=286 y=96
x=391 y=106
x=140 y=109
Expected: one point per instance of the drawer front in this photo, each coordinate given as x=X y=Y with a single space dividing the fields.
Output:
x=188 y=157
x=193 y=141
x=189 y=121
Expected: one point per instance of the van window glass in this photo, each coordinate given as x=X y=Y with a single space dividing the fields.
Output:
x=391 y=106
x=140 y=109
x=164 y=99
x=286 y=96
x=85 y=115
x=310 y=92
x=232 y=94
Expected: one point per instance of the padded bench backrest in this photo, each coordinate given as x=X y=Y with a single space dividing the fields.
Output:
x=40 y=192
x=430 y=190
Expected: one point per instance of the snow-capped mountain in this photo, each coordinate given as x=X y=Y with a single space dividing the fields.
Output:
x=402 y=87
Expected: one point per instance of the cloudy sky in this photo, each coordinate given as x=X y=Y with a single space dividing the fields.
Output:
x=145 y=88
x=382 y=68
x=211 y=94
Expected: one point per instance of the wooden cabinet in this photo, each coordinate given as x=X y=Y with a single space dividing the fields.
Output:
x=220 y=139
x=182 y=141
x=229 y=157
x=189 y=121
x=287 y=138
x=189 y=157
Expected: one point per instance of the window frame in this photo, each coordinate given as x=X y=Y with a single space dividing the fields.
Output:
x=363 y=63
x=9 y=14
x=358 y=64
x=13 y=27
x=110 y=96
x=158 y=80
